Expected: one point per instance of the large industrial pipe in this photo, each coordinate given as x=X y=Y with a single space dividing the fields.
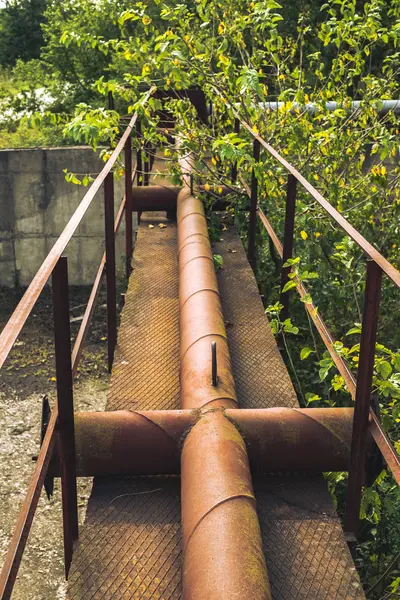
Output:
x=149 y=442
x=222 y=549
x=201 y=320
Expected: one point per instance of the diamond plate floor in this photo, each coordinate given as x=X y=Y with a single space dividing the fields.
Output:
x=129 y=546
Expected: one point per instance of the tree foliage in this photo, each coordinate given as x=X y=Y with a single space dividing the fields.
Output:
x=20 y=30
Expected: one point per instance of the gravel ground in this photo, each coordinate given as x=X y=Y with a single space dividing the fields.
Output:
x=27 y=376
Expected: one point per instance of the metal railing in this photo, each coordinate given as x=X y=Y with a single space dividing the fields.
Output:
x=60 y=428
x=360 y=388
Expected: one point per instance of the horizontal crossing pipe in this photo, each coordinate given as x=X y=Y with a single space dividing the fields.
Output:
x=164 y=198
x=149 y=442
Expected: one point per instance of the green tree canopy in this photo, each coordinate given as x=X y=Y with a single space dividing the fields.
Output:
x=20 y=30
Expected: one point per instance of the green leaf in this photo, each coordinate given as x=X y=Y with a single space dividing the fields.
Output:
x=354 y=330
x=337 y=383
x=288 y=327
x=323 y=373
x=312 y=398
x=305 y=352
x=291 y=261
x=288 y=286
x=384 y=369
x=306 y=299
x=274 y=326
x=274 y=308
x=218 y=261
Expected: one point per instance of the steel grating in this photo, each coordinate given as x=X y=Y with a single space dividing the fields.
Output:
x=307 y=556
x=129 y=546
x=146 y=366
x=261 y=377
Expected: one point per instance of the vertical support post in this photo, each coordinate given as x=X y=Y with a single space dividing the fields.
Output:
x=66 y=435
x=146 y=176
x=128 y=207
x=236 y=129
x=288 y=241
x=110 y=101
x=251 y=250
x=139 y=160
x=363 y=397
x=110 y=267
x=139 y=155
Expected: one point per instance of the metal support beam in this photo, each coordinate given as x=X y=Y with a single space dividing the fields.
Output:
x=288 y=241
x=234 y=171
x=251 y=249
x=66 y=437
x=110 y=267
x=139 y=155
x=128 y=207
x=147 y=167
x=363 y=397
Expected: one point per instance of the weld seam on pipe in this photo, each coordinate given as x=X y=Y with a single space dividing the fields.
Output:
x=319 y=424
x=197 y=292
x=155 y=424
x=195 y=212
x=206 y=335
x=186 y=243
x=221 y=399
x=250 y=497
x=200 y=257
x=195 y=258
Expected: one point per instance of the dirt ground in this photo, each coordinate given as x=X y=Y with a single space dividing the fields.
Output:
x=29 y=375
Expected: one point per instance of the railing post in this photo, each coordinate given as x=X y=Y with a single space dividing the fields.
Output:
x=146 y=176
x=139 y=156
x=363 y=397
x=236 y=129
x=110 y=267
x=251 y=250
x=65 y=403
x=128 y=207
x=288 y=241
x=110 y=98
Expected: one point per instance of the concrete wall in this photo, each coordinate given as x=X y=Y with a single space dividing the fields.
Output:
x=35 y=205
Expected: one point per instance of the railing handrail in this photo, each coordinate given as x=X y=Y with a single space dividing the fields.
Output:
x=17 y=320
x=360 y=240
x=361 y=388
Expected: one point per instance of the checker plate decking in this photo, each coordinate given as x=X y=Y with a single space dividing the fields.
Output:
x=129 y=546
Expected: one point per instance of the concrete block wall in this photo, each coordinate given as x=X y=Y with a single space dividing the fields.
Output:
x=35 y=205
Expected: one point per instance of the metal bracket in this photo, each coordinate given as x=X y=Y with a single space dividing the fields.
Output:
x=46 y=414
x=214 y=369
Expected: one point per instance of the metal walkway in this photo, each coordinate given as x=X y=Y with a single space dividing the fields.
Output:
x=129 y=546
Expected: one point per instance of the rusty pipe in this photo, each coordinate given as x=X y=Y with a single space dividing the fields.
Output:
x=201 y=319
x=222 y=548
x=149 y=442
x=160 y=198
